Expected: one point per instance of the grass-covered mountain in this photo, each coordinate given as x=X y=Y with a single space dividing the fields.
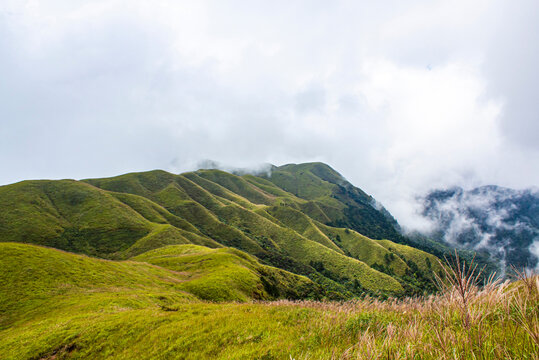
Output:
x=161 y=266
x=305 y=219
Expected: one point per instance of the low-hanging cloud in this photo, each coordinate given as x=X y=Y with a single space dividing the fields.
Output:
x=399 y=98
x=503 y=222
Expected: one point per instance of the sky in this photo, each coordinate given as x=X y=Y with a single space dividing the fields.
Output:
x=399 y=97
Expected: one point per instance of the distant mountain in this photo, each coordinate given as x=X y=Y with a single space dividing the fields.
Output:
x=305 y=219
x=502 y=221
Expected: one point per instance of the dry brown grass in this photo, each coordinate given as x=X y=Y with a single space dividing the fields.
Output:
x=498 y=320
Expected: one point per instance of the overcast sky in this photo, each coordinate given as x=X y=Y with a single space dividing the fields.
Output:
x=398 y=96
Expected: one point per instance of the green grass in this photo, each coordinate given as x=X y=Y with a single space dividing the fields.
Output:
x=270 y=188
x=381 y=253
x=425 y=261
x=34 y=280
x=336 y=265
x=364 y=249
x=253 y=331
x=219 y=190
x=142 y=183
x=206 y=208
x=228 y=274
x=334 y=201
x=58 y=305
x=283 y=223
x=68 y=215
x=176 y=239
x=163 y=235
x=302 y=224
x=53 y=302
x=237 y=185
x=301 y=183
x=31 y=274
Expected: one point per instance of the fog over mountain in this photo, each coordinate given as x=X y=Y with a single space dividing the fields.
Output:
x=400 y=97
x=173 y=173
x=502 y=221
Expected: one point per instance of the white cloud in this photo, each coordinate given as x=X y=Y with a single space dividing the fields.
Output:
x=399 y=97
x=437 y=126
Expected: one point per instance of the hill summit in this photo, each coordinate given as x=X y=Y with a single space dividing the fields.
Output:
x=305 y=219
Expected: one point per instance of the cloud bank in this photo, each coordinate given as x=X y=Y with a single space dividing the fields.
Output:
x=399 y=98
x=501 y=221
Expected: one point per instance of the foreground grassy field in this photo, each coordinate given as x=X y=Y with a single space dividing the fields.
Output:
x=56 y=305
x=426 y=329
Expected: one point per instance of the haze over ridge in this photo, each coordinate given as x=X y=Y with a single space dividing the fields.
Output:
x=398 y=98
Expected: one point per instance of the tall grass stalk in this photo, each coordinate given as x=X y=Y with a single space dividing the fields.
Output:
x=466 y=319
x=525 y=303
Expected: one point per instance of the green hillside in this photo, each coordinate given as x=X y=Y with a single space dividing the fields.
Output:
x=305 y=219
x=227 y=274
x=41 y=286
x=204 y=265
x=57 y=305
x=68 y=215
x=33 y=275
x=333 y=200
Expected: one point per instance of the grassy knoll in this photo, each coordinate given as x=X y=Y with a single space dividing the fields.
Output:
x=163 y=235
x=35 y=281
x=228 y=274
x=31 y=273
x=55 y=305
x=424 y=261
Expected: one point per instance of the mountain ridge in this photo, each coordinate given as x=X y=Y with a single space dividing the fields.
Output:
x=317 y=230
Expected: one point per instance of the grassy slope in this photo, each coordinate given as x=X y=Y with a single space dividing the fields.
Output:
x=127 y=215
x=163 y=235
x=369 y=251
x=221 y=206
x=50 y=299
x=227 y=274
x=333 y=200
x=59 y=305
x=32 y=275
x=68 y=215
x=425 y=261
x=37 y=280
x=238 y=185
x=363 y=248
x=182 y=198
x=256 y=331
x=337 y=266
x=302 y=224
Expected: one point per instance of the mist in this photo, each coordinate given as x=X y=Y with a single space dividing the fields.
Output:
x=399 y=98
x=501 y=221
